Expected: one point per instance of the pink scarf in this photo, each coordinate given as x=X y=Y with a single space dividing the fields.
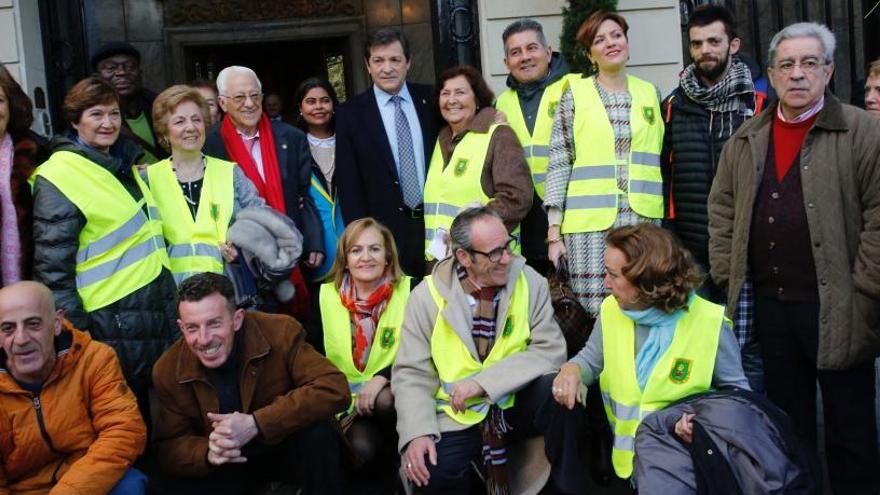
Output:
x=10 y=243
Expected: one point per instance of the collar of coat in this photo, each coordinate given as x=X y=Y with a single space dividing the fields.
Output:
x=68 y=348
x=830 y=118
x=253 y=345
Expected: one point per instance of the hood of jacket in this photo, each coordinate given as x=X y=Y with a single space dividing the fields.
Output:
x=69 y=345
x=558 y=69
x=123 y=154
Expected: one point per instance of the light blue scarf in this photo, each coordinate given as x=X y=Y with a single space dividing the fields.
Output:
x=661 y=327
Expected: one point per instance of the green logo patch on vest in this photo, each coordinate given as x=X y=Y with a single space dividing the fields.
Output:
x=508 y=327
x=648 y=114
x=215 y=212
x=387 y=339
x=460 y=167
x=681 y=370
x=551 y=108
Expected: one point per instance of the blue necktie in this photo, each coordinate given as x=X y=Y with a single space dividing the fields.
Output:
x=409 y=177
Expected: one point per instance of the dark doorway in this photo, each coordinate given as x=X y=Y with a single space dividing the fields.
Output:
x=281 y=65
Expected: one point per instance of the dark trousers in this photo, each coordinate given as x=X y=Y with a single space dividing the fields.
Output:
x=534 y=413
x=789 y=338
x=411 y=246
x=308 y=457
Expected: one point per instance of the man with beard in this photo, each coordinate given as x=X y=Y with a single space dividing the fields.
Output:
x=119 y=64
x=535 y=83
x=714 y=97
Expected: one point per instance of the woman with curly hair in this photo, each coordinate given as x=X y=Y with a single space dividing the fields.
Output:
x=655 y=340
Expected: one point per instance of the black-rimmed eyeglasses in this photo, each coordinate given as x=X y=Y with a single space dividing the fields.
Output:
x=496 y=254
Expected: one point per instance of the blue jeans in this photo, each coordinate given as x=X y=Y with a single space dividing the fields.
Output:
x=133 y=482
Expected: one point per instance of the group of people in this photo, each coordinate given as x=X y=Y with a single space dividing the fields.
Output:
x=155 y=255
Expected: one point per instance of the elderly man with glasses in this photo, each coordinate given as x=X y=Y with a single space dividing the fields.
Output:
x=274 y=155
x=796 y=200
x=471 y=375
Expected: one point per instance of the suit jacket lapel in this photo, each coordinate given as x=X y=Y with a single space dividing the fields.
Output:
x=373 y=122
x=421 y=103
x=281 y=152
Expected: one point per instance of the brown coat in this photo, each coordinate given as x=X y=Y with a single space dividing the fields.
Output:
x=506 y=176
x=840 y=176
x=92 y=429
x=285 y=384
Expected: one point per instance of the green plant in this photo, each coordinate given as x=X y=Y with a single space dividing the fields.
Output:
x=572 y=17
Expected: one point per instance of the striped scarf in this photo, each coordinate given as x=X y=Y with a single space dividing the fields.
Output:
x=494 y=427
x=365 y=314
x=736 y=92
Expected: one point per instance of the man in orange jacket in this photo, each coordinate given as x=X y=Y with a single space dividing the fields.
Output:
x=68 y=421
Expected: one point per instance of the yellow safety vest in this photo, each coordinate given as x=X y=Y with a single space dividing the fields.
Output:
x=454 y=362
x=591 y=201
x=536 y=146
x=337 y=335
x=194 y=245
x=120 y=247
x=450 y=189
x=685 y=369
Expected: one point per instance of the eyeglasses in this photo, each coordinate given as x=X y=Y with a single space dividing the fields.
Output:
x=112 y=68
x=809 y=66
x=496 y=254
x=241 y=99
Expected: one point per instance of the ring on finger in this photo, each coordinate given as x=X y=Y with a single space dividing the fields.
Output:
x=409 y=465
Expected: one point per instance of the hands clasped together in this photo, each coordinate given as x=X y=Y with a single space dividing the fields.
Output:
x=231 y=432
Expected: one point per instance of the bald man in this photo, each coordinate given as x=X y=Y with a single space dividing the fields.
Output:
x=68 y=421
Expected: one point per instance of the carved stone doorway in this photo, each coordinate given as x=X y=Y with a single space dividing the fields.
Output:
x=282 y=53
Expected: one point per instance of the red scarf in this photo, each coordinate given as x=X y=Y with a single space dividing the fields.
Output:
x=270 y=189
x=365 y=314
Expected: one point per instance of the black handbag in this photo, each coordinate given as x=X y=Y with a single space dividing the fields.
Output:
x=572 y=318
x=577 y=325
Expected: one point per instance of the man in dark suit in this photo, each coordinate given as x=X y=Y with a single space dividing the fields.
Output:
x=275 y=156
x=384 y=140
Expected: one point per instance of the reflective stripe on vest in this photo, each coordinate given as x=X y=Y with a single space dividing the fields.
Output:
x=337 y=335
x=684 y=369
x=591 y=201
x=454 y=361
x=332 y=223
x=120 y=247
x=536 y=146
x=450 y=189
x=194 y=244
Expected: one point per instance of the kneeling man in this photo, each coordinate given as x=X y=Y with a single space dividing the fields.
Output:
x=477 y=342
x=68 y=421
x=244 y=398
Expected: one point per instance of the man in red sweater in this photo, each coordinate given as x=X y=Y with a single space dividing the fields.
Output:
x=796 y=200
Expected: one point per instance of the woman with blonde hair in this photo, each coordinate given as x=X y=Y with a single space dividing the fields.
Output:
x=198 y=196
x=362 y=307
x=655 y=340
